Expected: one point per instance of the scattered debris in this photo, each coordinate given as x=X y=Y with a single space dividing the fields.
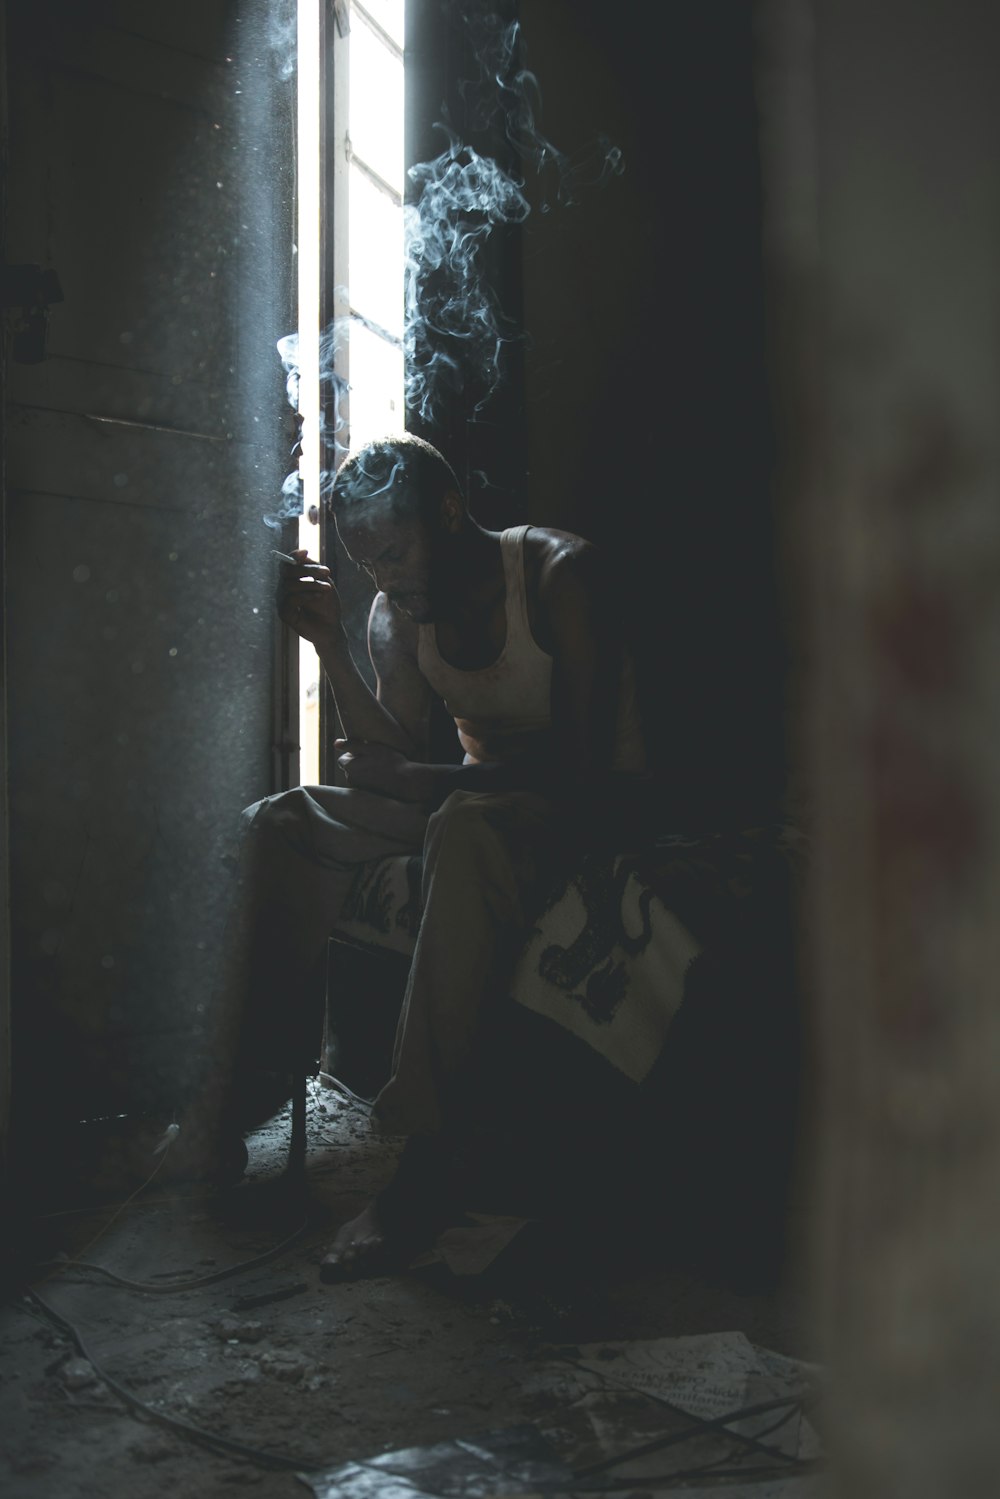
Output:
x=290 y=1367
x=152 y=1449
x=661 y=1410
x=704 y=1375
x=236 y=1330
x=495 y=1463
x=266 y=1298
x=703 y=1414
x=78 y=1373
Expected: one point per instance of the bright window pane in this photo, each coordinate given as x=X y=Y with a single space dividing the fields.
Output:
x=376 y=254
x=376 y=387
x=376 y=105
x=388 y=14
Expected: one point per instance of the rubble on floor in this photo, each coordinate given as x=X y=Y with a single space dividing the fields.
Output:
x=490 y=1368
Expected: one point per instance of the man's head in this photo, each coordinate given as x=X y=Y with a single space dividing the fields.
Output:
x=397 y=502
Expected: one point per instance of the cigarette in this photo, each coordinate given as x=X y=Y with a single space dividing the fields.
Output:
x=285 y=557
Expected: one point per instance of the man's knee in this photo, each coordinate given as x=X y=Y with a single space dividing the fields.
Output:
x=276 y=816
x=463 y=815
x=471 y=825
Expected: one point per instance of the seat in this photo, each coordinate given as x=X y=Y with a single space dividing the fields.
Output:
x=609 y=958
x=606 y=959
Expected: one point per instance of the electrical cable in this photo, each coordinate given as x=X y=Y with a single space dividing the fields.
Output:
x=648 y=1481
x=184 y=1196
x=187 y=1429
x=329 y=1081
x=62 y=1263
x=758 y=1436
x=714 y=1425
x=162 y=1149
x=761 y=1446
x=227 y=1445
x=261 y=1456
x=197 y=1282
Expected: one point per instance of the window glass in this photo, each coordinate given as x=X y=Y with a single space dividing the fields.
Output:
x=376 y=105
x=376 y=387
x=375 y=254
x=388 y=14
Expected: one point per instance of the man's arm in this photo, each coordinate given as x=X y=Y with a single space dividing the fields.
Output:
x=396 y=713
x=581 y=634
x=401 y=689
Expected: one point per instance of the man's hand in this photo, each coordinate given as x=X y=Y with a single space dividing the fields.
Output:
x=307 y=600
x=376 y=767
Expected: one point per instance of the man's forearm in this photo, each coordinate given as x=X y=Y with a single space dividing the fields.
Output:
x=361 y=713
x=433 y=784
x=610 y=806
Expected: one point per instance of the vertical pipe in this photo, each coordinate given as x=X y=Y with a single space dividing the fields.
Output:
x=334 y=305
x=5 y=995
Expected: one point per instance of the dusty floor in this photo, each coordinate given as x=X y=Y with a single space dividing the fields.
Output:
x=322 y=1375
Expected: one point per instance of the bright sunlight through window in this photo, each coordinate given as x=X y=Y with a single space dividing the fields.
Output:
x=369 y=196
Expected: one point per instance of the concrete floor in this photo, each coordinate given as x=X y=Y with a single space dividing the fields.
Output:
x=325 y=1374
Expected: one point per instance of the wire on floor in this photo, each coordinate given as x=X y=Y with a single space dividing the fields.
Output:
x=61 y=1263
x=161 y=1149
x=227 y=1445
x=329 y=1081
x=195 y=1284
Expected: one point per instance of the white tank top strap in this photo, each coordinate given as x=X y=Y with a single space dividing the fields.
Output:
x=512 y=548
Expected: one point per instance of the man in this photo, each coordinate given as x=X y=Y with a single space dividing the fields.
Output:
x=518 y=634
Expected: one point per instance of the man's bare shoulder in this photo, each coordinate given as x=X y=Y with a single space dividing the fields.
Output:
x=559 y=563
x=392 y=635
x=564 y=581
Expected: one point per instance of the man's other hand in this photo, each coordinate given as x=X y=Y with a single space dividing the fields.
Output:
x=377 y=767
x=307 y=600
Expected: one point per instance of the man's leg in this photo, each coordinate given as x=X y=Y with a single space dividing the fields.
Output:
x=488 y=859
x=298 y=855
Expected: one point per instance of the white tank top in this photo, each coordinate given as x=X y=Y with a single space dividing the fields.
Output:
x=505 y=709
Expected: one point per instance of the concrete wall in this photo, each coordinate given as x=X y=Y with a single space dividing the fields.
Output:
x=150 y=165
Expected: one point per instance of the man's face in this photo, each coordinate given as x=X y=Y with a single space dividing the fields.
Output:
x=397 y=552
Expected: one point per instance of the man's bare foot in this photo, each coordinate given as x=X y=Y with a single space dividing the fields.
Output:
x=360 y=1248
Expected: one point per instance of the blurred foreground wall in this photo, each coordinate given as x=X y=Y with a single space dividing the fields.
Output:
x=879 y=130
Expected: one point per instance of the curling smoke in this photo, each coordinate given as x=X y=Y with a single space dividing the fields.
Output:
x=455 y=329
x=507 y=96
x=332 y=391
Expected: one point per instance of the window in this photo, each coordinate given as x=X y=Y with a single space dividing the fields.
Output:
x=350 y=258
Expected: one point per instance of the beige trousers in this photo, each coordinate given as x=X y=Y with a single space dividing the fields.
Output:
x=486 y=861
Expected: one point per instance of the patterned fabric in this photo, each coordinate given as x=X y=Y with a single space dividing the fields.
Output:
x=382 y=907
x=607 y=961
x=609 y=955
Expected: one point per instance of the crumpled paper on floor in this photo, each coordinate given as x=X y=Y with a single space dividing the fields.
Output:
x=509 y=1462
x=645 y=1415
x=705 y=1374
x=673 y=1396
x=469 y=1249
